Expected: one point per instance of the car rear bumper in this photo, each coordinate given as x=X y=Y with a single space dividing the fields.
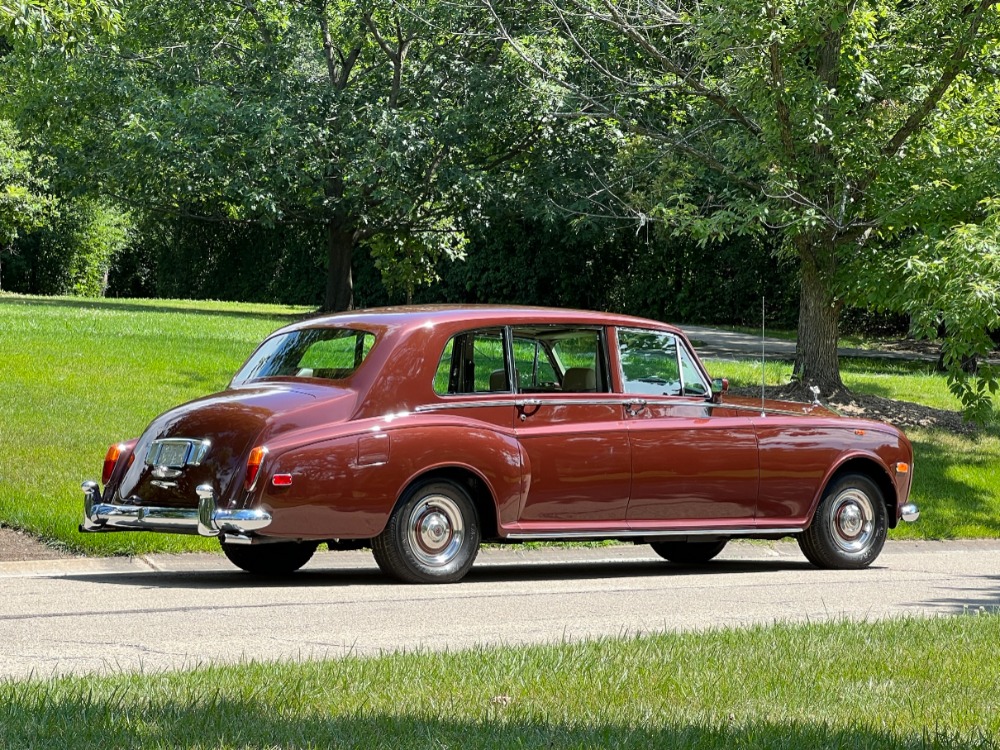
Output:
x=207 y=519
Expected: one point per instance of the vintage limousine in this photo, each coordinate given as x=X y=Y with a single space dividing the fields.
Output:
x=422 y=431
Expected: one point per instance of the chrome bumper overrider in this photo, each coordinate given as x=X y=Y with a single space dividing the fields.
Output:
x=909 y=512
x=206 y=520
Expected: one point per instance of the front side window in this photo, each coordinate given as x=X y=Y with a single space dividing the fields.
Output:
x=657 y=364
x=324 y=353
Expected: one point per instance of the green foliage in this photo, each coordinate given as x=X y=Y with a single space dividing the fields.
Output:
x=72 y=252
x=23 y=202
x=62 y=23
x=179 y=258
x=372 y=120
x=958 y=284
x=841 y=130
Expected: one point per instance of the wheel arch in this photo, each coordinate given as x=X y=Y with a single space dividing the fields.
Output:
x=872 y=469
x=472 y=482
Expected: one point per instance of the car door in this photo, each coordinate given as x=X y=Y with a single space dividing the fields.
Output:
x=573 y=437
x=694 y=464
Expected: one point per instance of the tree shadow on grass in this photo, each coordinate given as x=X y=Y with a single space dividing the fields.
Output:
x=955 y=502
x=88 y=718
x=159 y=307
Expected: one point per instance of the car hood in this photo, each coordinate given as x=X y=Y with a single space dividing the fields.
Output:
x=232 y=423
x=782 y=407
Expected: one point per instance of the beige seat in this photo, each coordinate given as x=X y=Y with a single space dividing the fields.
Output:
x=498 y=380
x=579 y=380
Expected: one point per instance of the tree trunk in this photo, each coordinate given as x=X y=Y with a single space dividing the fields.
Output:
x=816 y=361
x=339 y=279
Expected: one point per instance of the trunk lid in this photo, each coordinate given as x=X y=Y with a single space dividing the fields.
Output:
x=207 y=441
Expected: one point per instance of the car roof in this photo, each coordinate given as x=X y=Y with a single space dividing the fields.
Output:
x=415 y=316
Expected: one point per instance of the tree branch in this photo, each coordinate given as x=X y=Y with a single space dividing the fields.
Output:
x=948 y=75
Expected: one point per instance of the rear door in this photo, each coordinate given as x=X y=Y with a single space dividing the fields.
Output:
x=575 y=444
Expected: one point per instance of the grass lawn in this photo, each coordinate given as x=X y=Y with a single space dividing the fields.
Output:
x=78 y=375
x=896 y=684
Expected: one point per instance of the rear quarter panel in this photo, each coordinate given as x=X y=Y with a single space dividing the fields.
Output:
x=346 y=485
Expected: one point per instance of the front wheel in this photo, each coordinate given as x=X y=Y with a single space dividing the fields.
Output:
x=270 y=559
x=432 y=535
x=850 y=525
x=688 y=553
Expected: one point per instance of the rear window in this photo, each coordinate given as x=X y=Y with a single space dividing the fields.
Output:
x=324 y=353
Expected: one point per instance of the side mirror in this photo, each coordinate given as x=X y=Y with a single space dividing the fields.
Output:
x=720 y=386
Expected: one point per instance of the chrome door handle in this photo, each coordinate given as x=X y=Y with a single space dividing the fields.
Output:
x=632 y=408
x=528 y=402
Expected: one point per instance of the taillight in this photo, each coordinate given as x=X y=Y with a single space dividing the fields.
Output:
x=110 y=459
x=253 y=466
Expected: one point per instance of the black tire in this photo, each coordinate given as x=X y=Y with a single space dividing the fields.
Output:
x=688 y=553
x=270 y=559
x=432 y=535
x=849 y=528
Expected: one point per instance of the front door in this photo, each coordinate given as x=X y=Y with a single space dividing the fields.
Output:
x=694 y=464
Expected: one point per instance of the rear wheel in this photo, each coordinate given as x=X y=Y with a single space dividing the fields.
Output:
x=688 y=553
x=850 y=525
x=274 y=558
x=432 y=536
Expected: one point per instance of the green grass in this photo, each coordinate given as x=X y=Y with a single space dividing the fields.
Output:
x=78 y=375
x=896 y=684
x=901 y=380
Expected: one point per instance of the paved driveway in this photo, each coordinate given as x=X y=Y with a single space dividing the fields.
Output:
x=169 y=612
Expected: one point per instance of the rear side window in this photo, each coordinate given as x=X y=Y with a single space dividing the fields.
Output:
x=324 y=353
x=472 y=362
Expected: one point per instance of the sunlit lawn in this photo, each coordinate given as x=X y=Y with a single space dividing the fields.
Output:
x=78 y=375
x=896 y=684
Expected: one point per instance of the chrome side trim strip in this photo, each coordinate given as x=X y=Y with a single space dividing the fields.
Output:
x=632 y=533
x=462 y=405
x=619 y=401
x=206 y=520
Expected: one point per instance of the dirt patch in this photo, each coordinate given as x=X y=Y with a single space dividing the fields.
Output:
x=902 y=414
x=16 y=545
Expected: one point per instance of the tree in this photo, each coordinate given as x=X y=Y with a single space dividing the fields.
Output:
x=373 y=122
x=23 y=202
x=826 y=124
x=27 y=26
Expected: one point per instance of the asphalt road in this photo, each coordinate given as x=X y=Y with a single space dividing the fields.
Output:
x=169 y=612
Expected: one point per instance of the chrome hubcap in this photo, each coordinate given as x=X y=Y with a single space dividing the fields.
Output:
x=853 y=520
x=436 y=530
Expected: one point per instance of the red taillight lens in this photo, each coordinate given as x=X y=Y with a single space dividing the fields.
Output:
x=253 y=466
x=110 y=459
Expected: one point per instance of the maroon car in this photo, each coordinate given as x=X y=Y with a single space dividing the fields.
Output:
x=422 y=431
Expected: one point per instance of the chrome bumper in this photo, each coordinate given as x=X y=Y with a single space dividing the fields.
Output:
x=206 y=520
x=909 y=513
